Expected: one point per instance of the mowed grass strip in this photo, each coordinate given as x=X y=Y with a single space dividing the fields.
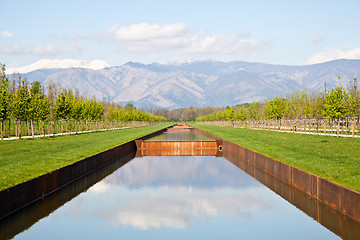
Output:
x=334 y=158
x=26 y=159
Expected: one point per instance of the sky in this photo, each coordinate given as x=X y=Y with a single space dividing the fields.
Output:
x=277 y=32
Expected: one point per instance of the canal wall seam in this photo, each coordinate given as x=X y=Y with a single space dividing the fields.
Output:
x=338 y=197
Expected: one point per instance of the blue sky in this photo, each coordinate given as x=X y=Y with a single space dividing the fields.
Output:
x=277 y=32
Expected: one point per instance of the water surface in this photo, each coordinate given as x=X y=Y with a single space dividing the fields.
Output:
x=178 y=197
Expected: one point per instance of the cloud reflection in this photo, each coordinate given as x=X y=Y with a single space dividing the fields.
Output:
x=176 y=208
x=195 y=171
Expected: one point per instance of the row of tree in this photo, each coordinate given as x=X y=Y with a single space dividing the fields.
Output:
x=185 y=114
x=22 y=101
x=336 y=103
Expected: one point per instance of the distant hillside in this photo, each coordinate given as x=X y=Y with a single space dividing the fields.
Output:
x=198 y=83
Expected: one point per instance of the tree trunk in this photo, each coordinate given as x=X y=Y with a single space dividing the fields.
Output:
x=2 y=129
x=9 y=128
x=26 y=128
x=19 y=129
x=32 y=128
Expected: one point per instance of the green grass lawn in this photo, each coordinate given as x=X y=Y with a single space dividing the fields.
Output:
x=335 y=159
x=21 y=160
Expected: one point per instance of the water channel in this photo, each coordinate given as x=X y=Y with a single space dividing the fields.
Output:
x=173 y=197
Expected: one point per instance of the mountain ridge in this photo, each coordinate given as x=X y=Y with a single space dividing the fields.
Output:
x=198 y=83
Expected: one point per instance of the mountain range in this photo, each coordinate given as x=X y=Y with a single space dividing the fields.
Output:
x=197 y=83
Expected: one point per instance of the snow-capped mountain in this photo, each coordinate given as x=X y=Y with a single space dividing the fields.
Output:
x=60 y=63
x=198 y=83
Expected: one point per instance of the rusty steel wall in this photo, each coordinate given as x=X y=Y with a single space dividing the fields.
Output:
x=25 y=193
x=180 y=144
x=176 y=129
x=337 y=197
x=177 y=152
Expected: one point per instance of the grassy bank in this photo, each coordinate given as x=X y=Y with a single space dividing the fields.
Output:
x=335 y=159
x=26 y=159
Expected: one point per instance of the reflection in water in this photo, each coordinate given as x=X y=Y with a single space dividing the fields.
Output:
x=166 y=209
x=178 y=198
x=188 y=171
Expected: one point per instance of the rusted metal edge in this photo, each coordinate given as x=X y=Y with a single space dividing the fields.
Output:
x=340 y=198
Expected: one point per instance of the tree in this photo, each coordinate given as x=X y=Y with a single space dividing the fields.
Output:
x=277 y=108
x=96 y=110
x=189 y=114
x=5 y=98
x=21 y=105
x=62 y=107
x=353 y=102
x=335 y=106
x=39 y=105
x=254 y=111
x=228 y=114
x=240 y=113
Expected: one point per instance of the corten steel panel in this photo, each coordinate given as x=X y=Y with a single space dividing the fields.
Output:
x=272 y=167
x=285 y=172
x=304 y=181
x=179 y=129
x=350 y=203
x=329 y=193
x=179 y=152
x=138 y=143
x=150 y=145
x=259 y=160
x=173 y=144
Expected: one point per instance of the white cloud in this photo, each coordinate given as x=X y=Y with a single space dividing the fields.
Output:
x=7 y=33
x=177 y=38
x=333 y=54
x=146 y=31
x=35 y=50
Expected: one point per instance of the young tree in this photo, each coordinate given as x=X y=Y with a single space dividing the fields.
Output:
x=62 y=107
x=5 y=98
x=21 y=105
x=240 y=113
x=39 y=105
x=353 y=102
x=228 y=114
x=335 y=106
x=277 y=108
